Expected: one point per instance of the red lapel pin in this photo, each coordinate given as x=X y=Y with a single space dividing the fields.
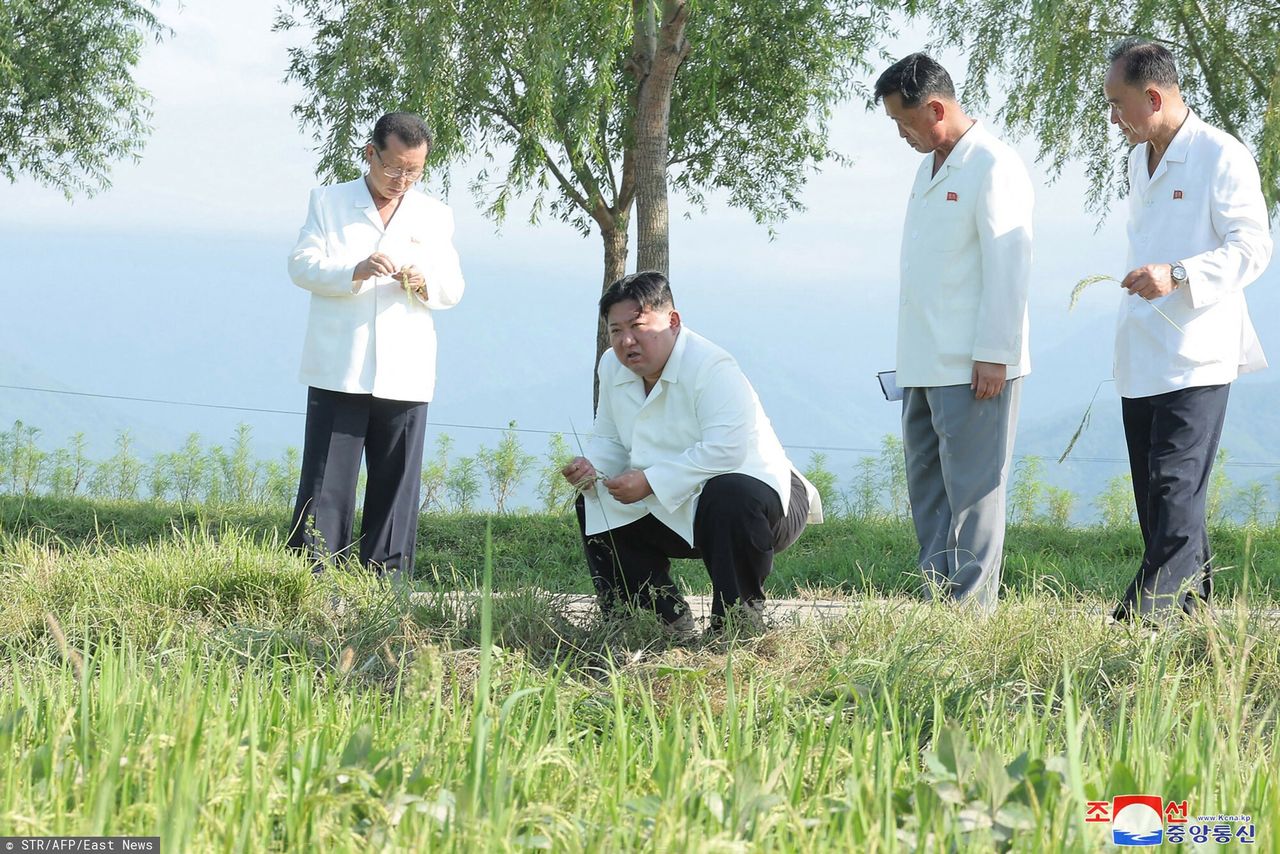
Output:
x=952 y=197
x=1177 y=194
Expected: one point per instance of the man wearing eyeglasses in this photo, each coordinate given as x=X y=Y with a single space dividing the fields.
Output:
x=377 y=256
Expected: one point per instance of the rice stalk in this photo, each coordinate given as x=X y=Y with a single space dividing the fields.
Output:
x=1084 y=422
x=1103 y=277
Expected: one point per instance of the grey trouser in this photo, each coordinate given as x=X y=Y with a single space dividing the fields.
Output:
x=958 y=451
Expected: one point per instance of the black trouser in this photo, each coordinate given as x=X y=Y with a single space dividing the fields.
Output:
x=1172 y=440
x=389 y=434
x=737 y=529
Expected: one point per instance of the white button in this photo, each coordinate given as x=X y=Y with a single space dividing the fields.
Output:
x=924 y=204
x=915 y=234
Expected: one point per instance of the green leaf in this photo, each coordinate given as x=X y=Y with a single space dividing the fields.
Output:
x=358 y=746
x=1016 y=816
x=1121 y=781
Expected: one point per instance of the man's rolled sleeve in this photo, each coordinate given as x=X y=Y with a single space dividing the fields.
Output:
x=1239 y=216
x=725 y=411
x=310 y=265
x=1004 y=212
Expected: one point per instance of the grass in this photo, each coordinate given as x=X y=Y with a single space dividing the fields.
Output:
x=841 y=555
x=197 y=682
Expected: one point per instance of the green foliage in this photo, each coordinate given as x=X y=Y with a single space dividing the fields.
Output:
x=435 y=473
x=1115 y=503
x=69 y=467
x=893 y=465
x=995 y=800
x=1060 y=504
x=239 y=469
x=549 y=89
x=191 y=470
x=69 y=106
x=825 y=481
x=1218 y=501
x=864 y=498
x=118 y=477
x=210 y=690
x=1049 y=60
x=850 y=555
x=1027 y=490
x=280 y=479
x=505 y=466
x=553 y=490
x=21 y=461
x=462 y=485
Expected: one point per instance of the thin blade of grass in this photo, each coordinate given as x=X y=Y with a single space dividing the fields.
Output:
x=1084 y=422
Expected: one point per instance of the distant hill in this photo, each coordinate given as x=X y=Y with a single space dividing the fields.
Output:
x=187 y=318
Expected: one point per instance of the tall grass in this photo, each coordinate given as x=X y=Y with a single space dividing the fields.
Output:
x=207 y=688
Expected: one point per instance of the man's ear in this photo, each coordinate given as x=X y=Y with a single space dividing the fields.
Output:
x=368 y=153
x=938 y=109
x=675 y=319
x=1156 y=97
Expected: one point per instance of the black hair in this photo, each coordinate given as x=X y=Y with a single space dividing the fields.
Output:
x=649 y=288
x=1144 y=61
x=914 y=78
x=409 y=127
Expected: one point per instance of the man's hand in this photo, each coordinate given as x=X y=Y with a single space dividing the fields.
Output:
x=413 y=281
x=580 y=473
x=1149 y=282
x=376 y=264
x=988 y=379
x=629 y=487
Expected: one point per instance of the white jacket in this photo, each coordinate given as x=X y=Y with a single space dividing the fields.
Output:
x=1202 y=207
x=372 y=337
x=702 y=419
x=966 y=265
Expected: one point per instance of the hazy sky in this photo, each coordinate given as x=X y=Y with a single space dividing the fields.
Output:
x=182 y=262
x=227 y=157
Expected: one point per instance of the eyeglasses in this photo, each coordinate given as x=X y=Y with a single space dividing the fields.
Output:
x=395 y=173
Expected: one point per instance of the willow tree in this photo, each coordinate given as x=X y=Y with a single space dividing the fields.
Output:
x=1049 y=58
x=69 y=106
x=592 y=107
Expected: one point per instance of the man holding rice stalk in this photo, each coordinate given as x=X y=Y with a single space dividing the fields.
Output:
x=962 y=328
x=683 y=463
x=377 y=256
x=1198 y=235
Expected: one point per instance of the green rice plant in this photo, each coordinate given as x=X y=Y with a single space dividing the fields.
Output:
x=1084 y=283
x=868 y=733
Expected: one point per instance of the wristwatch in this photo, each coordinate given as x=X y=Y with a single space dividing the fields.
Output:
x=1178 y=273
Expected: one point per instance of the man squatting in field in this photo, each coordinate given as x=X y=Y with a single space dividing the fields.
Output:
x=683 y=464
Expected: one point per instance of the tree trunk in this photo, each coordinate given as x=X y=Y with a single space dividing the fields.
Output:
x=657 y=59
x=615 y=267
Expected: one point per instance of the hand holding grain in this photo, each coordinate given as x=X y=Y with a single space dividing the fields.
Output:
x=1149 y=282
x=629 y=487
x=376 y=264
x=412 y=281
x=580 y=473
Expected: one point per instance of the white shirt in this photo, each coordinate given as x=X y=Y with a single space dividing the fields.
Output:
x=372 y=337
x=966 y=265
x=1202 y=207
x=702 y=419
